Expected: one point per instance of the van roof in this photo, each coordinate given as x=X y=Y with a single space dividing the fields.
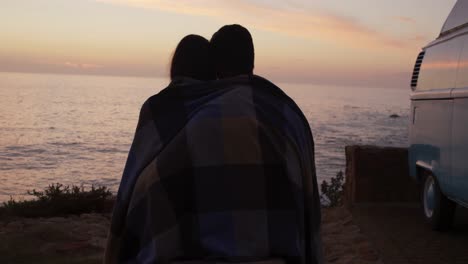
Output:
x=457 y=18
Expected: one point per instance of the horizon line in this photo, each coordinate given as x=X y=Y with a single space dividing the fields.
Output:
x=300 y=82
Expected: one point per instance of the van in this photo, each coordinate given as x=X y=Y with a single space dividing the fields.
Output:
x=438 y=153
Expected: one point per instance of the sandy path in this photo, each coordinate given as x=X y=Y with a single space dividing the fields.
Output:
x=82 y=239
x=400 y=235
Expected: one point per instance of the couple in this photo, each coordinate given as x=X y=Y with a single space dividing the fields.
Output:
x=221 y=169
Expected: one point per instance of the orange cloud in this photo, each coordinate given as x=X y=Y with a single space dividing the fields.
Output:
x=317 y=25
x=82 y=66
x=404 y=19
x=421 y=38
x=73 y=65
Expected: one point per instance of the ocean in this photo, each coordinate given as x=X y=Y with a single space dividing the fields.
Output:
x=75 y=129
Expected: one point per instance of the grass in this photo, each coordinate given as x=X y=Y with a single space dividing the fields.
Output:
x=60 y=200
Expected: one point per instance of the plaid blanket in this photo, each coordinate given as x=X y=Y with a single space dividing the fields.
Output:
x=220 y=171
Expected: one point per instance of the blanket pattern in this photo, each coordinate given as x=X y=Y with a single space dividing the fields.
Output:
x=220 y=171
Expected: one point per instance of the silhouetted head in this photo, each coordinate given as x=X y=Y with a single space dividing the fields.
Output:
x=192 y=59
x=232 y=50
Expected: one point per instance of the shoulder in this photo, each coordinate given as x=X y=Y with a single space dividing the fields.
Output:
x=262 y=85
x=270 y=91
x=147 y=109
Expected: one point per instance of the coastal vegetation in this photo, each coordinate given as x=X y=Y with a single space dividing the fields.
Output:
x=60 y=200
x=332 y=192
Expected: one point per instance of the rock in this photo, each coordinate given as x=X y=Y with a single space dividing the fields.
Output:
x=359 y=239
x=97 y=229
x=333 y=258
x=368 y=254
x=48 y=248
x=72 y=246
x=98 y=242
x=56 y=220
x=14 y=226
x=378 y=175
x=348 y=221
x=95 y=218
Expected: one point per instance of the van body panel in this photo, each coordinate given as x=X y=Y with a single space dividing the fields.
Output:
x=460 y=147
x=462 y=76
x=424 y=165
x=434 y=94
x=460 y=129
x=440 y=66
x=430 y=138
x=459 y=93
x=454 y=34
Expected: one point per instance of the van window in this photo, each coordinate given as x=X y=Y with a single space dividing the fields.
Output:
x=462 y=77
x=439 y=68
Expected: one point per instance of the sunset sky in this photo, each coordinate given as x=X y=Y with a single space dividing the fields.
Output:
x=339 y=42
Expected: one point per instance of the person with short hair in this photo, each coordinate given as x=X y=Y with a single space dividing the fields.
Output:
x=284 y=140
x=233 y=52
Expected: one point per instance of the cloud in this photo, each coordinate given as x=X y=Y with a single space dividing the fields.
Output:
x=82 y=66
x=200 y=8
x=317 y=25
x=404 y=19
x=421 y=38
x=73 y=65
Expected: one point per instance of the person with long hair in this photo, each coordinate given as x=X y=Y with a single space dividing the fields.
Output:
x=192 y=60
x=160 y=118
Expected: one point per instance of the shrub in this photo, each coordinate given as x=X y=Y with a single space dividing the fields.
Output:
x=60 y=200
x=332 y=193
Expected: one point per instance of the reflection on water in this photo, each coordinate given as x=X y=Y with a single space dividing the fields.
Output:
x=78 y=129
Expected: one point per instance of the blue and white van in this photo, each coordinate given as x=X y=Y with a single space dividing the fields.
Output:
x=438 y=152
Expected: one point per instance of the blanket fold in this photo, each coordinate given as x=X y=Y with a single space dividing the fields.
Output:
x=220 y=171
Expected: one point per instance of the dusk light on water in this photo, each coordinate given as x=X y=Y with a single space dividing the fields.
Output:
x=78 y=129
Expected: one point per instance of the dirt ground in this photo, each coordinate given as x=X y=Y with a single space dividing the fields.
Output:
x=401 y=236
x=81 y=239
x=343 y=241
x=54 y=240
